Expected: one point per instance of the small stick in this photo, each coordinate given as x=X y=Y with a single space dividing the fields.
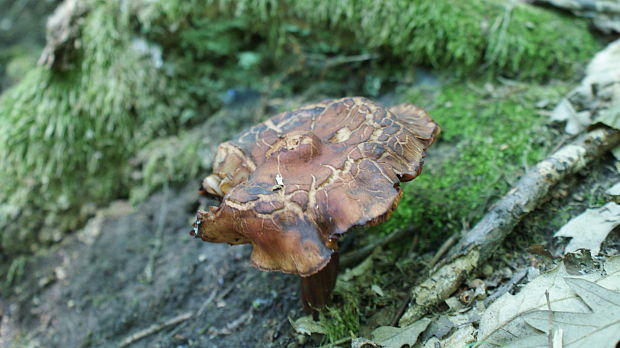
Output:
x=206 y=303
x=351 y=258
x=149 y=270
x=550 y=319
x=340 y=341
x=400 y=312
x=443 y=249
x=155 y=328
x=506 y=287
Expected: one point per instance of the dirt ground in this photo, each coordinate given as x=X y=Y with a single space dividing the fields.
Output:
x=134 y=268
x=95 y=290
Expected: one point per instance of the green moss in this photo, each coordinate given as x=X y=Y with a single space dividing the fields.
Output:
x=341 y=322
x=170 y=160
x=15 y=62
x=496 y=36
x=488 y=140
x=65 y=138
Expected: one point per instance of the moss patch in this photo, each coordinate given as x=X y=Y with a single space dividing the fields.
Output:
x=66 y=137
x=509 y=37
x=490 y=135
x=342 y=321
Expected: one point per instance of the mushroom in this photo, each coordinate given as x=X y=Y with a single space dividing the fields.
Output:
x=292 y=185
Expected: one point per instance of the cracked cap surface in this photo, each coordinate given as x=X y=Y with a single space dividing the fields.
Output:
x=293 y=184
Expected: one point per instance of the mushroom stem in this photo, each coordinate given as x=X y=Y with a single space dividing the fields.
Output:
x=317 y=288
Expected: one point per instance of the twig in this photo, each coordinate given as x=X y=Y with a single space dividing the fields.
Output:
x=533 y=187
x=477 y=245
x=331 y=62
x=340 y=341
x=316 y=60
x=443 y=249
x=207 y=302
x=400 y=312
x=230 y=327
x=351 y=258
x=507 y=286
x=155 y=328
x=550 y=319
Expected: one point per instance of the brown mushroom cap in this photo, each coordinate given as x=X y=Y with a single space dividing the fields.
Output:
x=293 y=184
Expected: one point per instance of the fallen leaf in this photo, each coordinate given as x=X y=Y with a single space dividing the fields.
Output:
x=361 y=342
x=395 y=337
x=614 y=192
x=598 y=328
x=590 y=229
x=597 y=98
x=504 y=320
x=459 y=339
x=616 y=152
x=307 y=326
x=563 y=111
x=575 y=121
x=603 y=14
x=361 y=269
x=611 y=116
x=345 y=282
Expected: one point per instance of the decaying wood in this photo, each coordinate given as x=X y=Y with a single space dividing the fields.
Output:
x=477 y=245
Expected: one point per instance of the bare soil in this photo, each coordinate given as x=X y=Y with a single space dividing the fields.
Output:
x=93 y=290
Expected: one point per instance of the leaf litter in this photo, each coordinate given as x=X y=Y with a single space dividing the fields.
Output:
x=589 y=230
x=511 y=317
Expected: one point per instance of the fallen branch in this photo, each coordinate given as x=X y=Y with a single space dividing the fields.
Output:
x=477 y=245
x=155 y=328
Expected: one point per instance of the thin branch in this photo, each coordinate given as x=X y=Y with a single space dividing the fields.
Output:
x=336 y=343
x=517 y=277
x=353 y=257
x=156 y=328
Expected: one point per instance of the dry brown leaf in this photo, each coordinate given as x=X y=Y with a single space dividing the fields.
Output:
x=598 y=328
x=504 y=320
x=590 y=229
x=396 y=337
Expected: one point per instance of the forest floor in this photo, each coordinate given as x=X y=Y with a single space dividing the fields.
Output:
x=131 y=268
x=135 y=270
x=133 y=276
